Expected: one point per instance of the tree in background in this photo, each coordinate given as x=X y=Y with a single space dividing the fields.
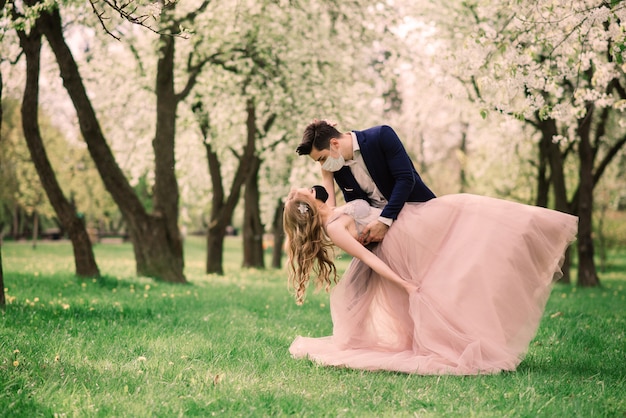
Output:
x=22 y=198
x=280 y=66
x=72 y=223
x=2 y=296
x=222 y=205
x=156 y=238
x=560 y=69
x=21 y=195
x=278 y=85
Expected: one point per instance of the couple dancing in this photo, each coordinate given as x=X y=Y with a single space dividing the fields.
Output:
x=448 y=285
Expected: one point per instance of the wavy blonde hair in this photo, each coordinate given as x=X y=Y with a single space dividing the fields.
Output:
x=308 y=247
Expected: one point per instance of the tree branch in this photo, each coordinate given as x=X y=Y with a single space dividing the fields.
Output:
x=607 y=159
x=274 y=144
x=128 y=14
x=194 y=71
x=191 y=16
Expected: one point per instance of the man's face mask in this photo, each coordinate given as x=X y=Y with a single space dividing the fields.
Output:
x=320 y=193
x=333 y=163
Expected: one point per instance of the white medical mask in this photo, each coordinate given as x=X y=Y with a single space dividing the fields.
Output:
x=333 y=163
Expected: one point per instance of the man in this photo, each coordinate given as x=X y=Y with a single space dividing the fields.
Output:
x=372 y=165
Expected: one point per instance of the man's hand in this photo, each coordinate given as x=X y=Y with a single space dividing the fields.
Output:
x=374 y=232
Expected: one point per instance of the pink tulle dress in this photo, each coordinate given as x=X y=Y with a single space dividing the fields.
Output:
x=484 y=268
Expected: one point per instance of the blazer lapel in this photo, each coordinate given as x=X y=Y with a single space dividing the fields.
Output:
x=348 y=185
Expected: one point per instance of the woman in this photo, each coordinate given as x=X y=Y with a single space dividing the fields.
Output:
x=458 y=285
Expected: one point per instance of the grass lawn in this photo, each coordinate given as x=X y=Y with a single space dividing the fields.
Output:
x=132 y=347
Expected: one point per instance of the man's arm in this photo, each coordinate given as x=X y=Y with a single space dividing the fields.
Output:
x=401 y=169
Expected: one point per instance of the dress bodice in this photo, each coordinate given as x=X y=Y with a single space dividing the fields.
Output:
x=359 y=210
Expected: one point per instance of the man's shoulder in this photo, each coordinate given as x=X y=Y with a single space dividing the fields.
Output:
x=377 y=133
x=373 y=129
x=377 y=130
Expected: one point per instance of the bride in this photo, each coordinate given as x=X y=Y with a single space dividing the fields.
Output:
x=457 y=286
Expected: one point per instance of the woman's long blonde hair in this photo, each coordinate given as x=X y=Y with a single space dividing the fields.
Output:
x=308 y=247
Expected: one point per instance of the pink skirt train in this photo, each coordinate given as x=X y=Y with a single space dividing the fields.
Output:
x=484 y=269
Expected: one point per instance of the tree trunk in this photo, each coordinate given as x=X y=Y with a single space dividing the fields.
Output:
x=153 y=256
x=2 y=296
x=156 y=240
x=587 y=275
x=279 y=235
x=35 y=229
x=215 y=248
x=583 y=198
x=543 y=181
x=2 y=2
x=463 y=183
x=221 y=211
x=83 y=252
x=557 y=176
x=222 y=208
x=15 y=225
x=252 y=226
x=552 y=151
x=166 y=194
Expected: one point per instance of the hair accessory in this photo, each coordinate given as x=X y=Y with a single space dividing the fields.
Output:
x=303 y=208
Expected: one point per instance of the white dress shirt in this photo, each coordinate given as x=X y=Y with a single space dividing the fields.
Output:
x=363 y=177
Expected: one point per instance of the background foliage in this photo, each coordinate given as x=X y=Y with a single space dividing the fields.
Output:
x=469 y=86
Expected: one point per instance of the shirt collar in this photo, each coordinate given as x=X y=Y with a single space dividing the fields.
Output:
x=355 y=144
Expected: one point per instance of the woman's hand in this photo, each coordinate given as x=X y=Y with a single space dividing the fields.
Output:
x=409 y=287
x=339 y=234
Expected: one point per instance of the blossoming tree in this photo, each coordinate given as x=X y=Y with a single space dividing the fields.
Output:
x=558 y=67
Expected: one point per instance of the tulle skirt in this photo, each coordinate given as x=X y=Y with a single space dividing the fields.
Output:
x=484 y=269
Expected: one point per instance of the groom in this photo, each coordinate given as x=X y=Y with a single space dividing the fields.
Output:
x=371 y=164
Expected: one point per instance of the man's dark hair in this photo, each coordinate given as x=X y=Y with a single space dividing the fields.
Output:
x=318 y=134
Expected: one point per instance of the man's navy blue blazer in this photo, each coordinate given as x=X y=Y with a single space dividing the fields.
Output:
x=391 y=169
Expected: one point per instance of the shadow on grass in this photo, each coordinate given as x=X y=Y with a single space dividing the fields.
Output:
x=14 y=401
x=579 y=367
x=18 y=314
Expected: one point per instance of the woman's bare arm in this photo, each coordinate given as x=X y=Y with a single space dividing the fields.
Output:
x=341 y=237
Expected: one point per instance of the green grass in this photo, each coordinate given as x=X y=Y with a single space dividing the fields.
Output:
x=132 y=347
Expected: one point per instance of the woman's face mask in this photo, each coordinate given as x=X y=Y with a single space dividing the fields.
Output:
x=333 y=163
